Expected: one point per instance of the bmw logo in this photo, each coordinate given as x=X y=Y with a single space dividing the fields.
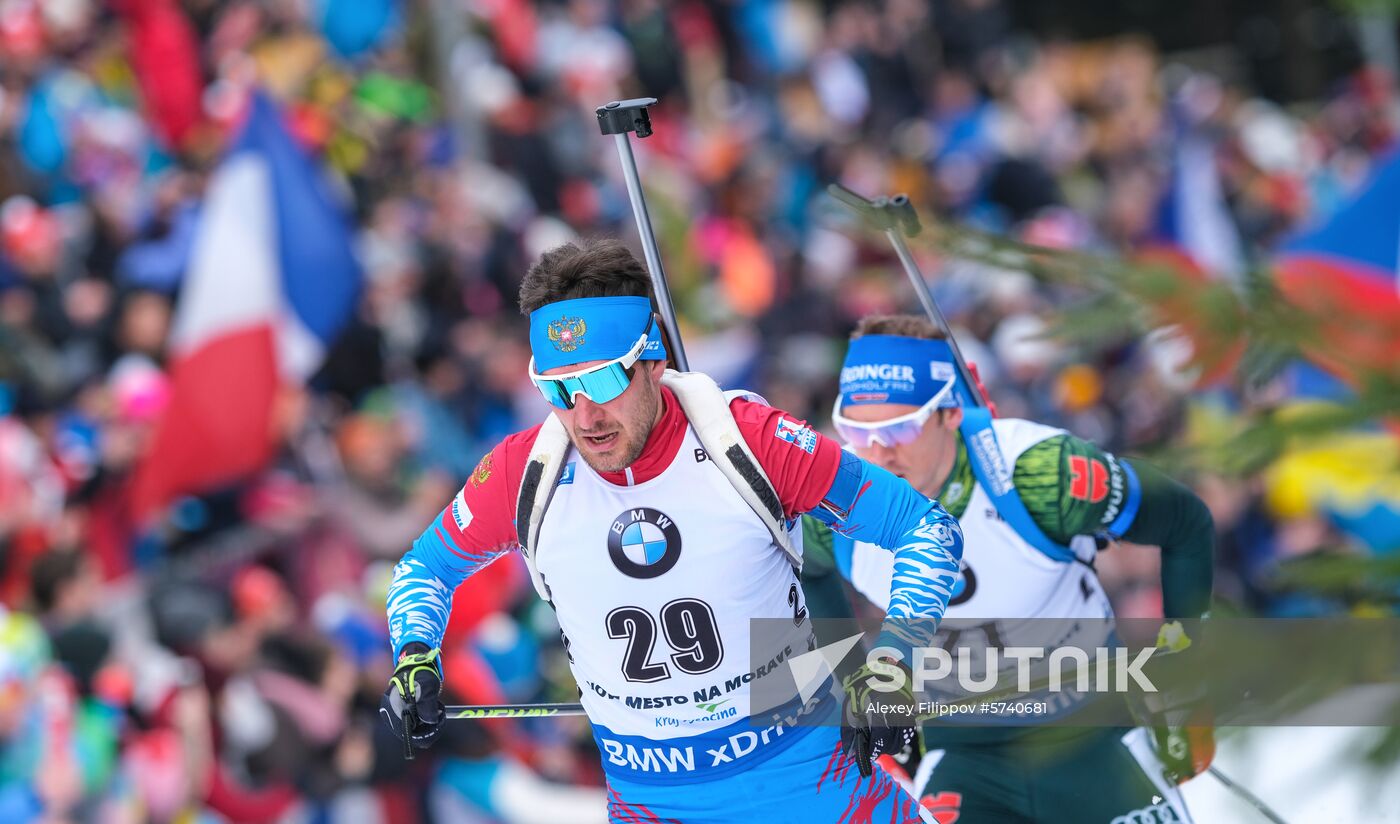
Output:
x=644 y=543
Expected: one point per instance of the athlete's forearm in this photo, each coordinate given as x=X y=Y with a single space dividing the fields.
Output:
x=420 y=596
x=925 y=572
x=1174 y=518
x=871 y=504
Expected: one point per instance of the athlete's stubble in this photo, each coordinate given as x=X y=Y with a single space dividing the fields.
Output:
x=611 y=436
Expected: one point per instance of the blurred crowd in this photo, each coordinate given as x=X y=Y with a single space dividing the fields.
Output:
x=224 y=662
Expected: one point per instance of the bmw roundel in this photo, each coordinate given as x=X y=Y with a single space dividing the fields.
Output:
x=644 y=543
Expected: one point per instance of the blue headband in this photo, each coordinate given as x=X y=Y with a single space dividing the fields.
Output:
x=592 y=329
x=894 y=369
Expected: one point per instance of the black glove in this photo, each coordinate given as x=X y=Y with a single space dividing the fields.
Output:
x=414 y=698
x=877 y=722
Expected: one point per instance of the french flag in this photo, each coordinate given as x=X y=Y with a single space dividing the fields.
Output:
x=1346 y=273
x=272 y=279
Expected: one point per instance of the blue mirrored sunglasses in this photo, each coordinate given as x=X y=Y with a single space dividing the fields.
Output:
x=599 y=384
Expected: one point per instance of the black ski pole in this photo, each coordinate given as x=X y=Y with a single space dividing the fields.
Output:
x=619 y=118
x=456 y=712
x=895 y=216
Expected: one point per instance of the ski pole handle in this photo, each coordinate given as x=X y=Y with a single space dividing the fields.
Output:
x=904 y=215
x=619 y=118
x=895 y=216
x=885 y=212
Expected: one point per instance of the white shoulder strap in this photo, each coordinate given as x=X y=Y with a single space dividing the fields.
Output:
x=536 y=488
x=707 y=409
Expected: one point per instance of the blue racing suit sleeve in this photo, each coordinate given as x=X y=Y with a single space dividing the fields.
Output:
x=870 y=504
x=420 y=596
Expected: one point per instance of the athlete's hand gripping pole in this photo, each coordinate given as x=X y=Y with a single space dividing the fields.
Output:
x=618 y=119
x=412 y=705
x=875 y=723
x=895 y=216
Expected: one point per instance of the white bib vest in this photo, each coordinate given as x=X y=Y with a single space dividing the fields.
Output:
x=1004 y=576
x=654 y=586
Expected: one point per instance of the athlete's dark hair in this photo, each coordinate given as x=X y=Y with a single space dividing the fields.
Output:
x=597 y=268
x=904 y=326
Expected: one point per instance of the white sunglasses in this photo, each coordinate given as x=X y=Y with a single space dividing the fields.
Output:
x=890 y=432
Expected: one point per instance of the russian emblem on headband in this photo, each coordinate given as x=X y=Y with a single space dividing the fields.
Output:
x=567 y=333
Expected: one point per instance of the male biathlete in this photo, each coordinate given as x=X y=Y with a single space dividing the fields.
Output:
x=903 y=408
x=657 y=517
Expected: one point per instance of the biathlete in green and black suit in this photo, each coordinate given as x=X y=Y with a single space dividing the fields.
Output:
x=903 y=408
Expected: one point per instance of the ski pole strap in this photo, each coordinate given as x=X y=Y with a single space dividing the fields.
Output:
x=406 y=674
x=981 y=388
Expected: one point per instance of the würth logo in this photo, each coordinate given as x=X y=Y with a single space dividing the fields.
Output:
x=1088 y=479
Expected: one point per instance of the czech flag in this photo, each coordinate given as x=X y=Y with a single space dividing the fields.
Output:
x=272 y=279
x=1345 y=273
x=1195 y=239
x=1192 y=217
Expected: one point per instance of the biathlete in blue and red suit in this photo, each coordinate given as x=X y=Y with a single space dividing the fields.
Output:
x=655 y=561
